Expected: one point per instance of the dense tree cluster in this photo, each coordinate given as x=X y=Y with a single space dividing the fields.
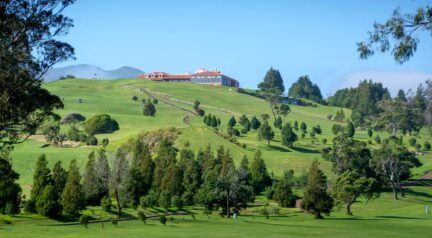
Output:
x=304 y=88
x=101 y=123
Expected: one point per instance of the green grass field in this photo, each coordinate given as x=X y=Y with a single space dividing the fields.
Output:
x=383 y=217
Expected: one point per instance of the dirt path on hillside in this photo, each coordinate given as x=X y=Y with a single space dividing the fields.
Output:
x=66 y=144
x=427 y=176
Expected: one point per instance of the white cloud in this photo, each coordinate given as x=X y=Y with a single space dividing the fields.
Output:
x=392 y=79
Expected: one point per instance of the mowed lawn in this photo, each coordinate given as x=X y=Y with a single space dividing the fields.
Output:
x=383 y=217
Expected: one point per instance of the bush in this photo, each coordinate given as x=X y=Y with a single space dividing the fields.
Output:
x=163 y=219
x=91 y=140
x=235 y=132
x=134 y=98
x=84 y=220
x=427 y=146
x=30 y=206
x=114 y=221
x=164 y=200
x=101 y=123
x=106 y=203
x=418 y=146
x=149 y=109
x=412 y=141
x=73 y=117
x=378 y=139
x=105 y=141
x=142 y=216
x=73 y=133
x=150 y=200
x=155 y=101
x=324 y=141
x=269 y=192
x=176 y=202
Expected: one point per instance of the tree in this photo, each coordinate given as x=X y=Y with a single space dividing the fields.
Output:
x=72 y=197
x=284 y=110
x=283 y=193
x=400 y=30
x=59 y=177
x=316 y=200
x=149 y=109
x=191 y=175
x=303 y=127
x=134 y=98
x=29 y=47
x=165 y=156
x=232 y=122
x=260 y=176
x=304 y=88
x=350 y=129
x=272 y=79
x=197 y=109
x=142 y=216
x=73 y=118
x=141 y=172
x=393 y=115
x=41 y=178
x=101 y=123
x=401 y=96
x=10 y=191
x=54 y=135
x=370 y=132
x=266 y=132
x=393 y=163
x=288 y=136
x=103 y=174
x=278 y=122
x=255 y=124
x=49 y=202
x=90 y=183
x=118 y=178
x=349 y=186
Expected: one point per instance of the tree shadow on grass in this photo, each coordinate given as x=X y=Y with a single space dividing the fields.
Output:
x=281 y=149
x=273 y=224
x=399 y=217
x=305 y=150
x=417 y=193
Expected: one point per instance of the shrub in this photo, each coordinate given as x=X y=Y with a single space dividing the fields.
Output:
x=269 y=192
x=106 y=203
x=324 y=141
x=114 y=221
x=30 y=206
x=412 y=141
x=73 y=117
x=84 y=220
x=155 y=101
x=105 y=141
x=73 y=133
x=149 y=109
x=378 y=139
x=163 y=219
x=177 y=202
x=427 y=146
x=91 y=140
x=134 y=98
x=236 y=132
x=101 y=123
x=82 y=137
x=418 y=146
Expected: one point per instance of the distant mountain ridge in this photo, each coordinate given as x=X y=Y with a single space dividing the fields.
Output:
x=91 y=72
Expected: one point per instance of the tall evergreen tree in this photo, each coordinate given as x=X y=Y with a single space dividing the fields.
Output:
x=10 y=191
x=304 y=88
x=350 y=129
x=41 y=178
x=165 y=156
x=103 y=173
x=288 y=136
x=265 y=132
x=316 y=200
x=255 y=124
x=118 y=179
x=283 y=193
x=278 y=122
x=260 y=176
x=191 y=175
x=90 y=183
x=59 y=176
x=48 y=203
x=232 y=122
x=272 y=79
x=401 y=96
x=73 y=199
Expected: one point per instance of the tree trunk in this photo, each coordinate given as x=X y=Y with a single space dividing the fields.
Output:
x=349 y=209
x=119 y=208
x=318 y=215
x=394 y=190
x=402 y=193
x=268 y=143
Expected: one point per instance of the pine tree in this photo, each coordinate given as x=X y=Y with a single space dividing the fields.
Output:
x=288 y=136
x=296 y=125
x=232 y=122
x=191 y=175
x=48 y=203
x=73 y=196
x=165 y=156
x=41 y=178
x=350 y=129
x=118 y=179
x=213 y=122
x=370 y=133
x=103 y=174
x=59 y=176
x=303 y=127
x=266 y=132
x=278 y=122
x=90 y=183
x=255 y=124
x=149 y=109
x=316 y=200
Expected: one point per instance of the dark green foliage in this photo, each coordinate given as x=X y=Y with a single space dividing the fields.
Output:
x=377 y=139
x=72 y=197
x=278 y=122
x=401 y=30
x=316 y=200
x=265 y=132
x=284 y=110
x=214 y=122
x=84 y=220
x=149 y=109
x=283 y=193
x=304 y=88
x=101 y=123
x=163 y=219
x=141 y=172
x=370 y=132
x=118 y=179
x=235 y=132
x=255 y=124
x=134 y=98
x=197 y=109
x=288 y=136
x=336 y=129
x=191 y=180
x=58 y=176
x=29 y=46
x=427 y=146
x=73 y=118
x=10 y=191
x=106 y=203
x=303 y=127
x=114 y=221
x=232 y=122
x=243 y=118
x=340 y=115
x=165 y=157
x=350 y=130
x=155 y=101
x=105 y=141
x=41 y=178
x=142 y=216
x=296 y=127
x=73 y=133
x=48 y=203
x=260 y=176
x=91 y=140
x=272 y=79
x=412 y=141
x=90 y=182
x=317 y=129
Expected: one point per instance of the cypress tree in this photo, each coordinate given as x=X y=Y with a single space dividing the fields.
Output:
x=266 y=132
x=41 y=178
x=296 y=125
x=232 y=122
x=213 y=122
x=350 y=130
x=48 y=203
x=288 y=136
x=303 y=127
x=278 y=122
x=260 y=176
x=73 y=196
x=149 y=109
x=59 y=176
x=165 y=156
x=10 y=191
x=90 y=183
x=316 y=200
x=255 y=124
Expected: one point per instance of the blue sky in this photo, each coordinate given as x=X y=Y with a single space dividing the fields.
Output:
x=244 y=38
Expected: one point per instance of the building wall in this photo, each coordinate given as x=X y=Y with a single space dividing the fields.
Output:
x=206 y=79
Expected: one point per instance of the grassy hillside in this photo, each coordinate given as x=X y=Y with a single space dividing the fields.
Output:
x=115 y=98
